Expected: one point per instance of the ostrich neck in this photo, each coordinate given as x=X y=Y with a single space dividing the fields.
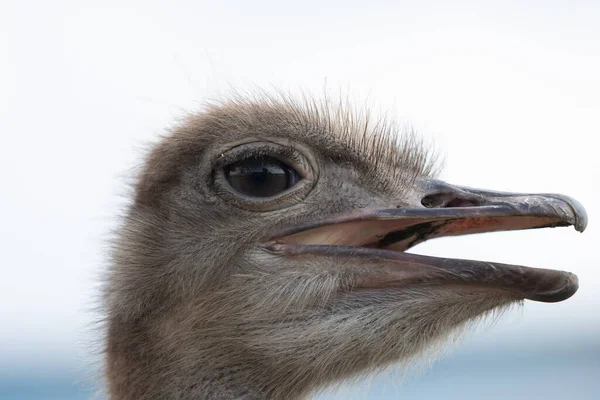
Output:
x=226 y=387
x=135 y=369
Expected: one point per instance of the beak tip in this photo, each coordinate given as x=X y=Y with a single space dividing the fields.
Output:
x=580 y=217
x=572 y=211
x=581 y=222
x=568 y=288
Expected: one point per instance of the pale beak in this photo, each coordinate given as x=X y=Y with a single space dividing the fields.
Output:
x=382 y=235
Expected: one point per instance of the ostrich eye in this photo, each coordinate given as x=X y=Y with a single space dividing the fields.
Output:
x=261 y=176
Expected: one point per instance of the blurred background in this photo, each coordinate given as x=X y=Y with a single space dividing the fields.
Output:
x=509 y=91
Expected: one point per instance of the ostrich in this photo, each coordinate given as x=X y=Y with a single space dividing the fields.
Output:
x=263 y=254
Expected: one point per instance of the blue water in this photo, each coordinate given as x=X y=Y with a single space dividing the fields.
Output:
x=490 y=376
x=43 y=381
x=547 y=374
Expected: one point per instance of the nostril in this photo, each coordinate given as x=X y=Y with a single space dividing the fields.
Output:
x=434 y=200
x=449 y=200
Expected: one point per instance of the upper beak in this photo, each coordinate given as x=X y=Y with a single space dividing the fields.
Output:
x=443 y=210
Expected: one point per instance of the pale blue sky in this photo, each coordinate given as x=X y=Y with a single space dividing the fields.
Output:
x=509 y=91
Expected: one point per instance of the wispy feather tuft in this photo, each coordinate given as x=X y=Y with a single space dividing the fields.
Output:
x=385 y=151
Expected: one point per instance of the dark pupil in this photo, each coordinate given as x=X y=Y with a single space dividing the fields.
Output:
x=261 y=176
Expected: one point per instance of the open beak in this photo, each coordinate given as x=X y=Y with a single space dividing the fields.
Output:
x=443 y=210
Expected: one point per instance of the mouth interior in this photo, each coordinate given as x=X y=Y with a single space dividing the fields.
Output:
x=400 y=234
x=403 y=239
x=381 y=237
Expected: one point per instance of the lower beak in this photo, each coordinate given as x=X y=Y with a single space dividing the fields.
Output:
x=382 y=235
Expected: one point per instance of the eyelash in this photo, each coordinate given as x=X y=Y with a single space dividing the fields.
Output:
x=233 y=155
x=289 y=155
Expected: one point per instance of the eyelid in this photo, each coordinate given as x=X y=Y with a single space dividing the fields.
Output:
x=288 y=154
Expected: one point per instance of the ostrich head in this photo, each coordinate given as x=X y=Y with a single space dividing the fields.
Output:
x=263 y=255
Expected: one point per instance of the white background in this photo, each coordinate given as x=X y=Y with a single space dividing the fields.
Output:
x=510 y=92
